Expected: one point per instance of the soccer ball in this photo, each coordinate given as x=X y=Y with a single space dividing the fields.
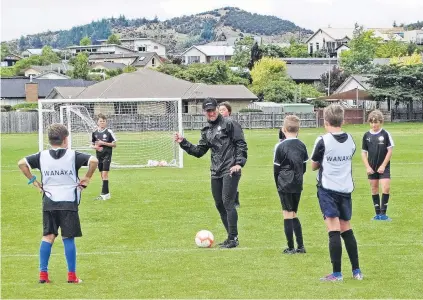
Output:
x=204 y=239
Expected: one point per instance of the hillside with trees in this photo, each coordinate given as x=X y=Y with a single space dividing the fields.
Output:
x=177 y=33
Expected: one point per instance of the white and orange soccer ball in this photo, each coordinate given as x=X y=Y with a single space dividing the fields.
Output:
x=204 y=239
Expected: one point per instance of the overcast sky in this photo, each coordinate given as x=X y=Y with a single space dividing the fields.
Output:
x=22 y=17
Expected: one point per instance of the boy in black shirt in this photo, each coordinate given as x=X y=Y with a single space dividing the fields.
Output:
x=103 y=141
x=376 y=154
x=289 y=166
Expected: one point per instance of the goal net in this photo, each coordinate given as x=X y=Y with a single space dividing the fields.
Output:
x=143 y=128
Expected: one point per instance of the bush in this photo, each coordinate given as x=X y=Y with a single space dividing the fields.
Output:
x=26 y=106
x=6 y=107
x=244 y=110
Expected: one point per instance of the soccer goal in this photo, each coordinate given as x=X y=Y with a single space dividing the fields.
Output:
x=143 y=127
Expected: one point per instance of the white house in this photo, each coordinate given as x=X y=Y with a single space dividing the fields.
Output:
x=138 y=60
x=51 y=75
x=100 y=49
x=35 y=51
x=207 y=54
x=413 y=36
x=329 y=40
x=141 y=45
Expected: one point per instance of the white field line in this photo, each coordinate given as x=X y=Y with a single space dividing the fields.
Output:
x=186 y=250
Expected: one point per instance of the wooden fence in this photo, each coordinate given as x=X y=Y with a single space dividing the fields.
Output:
x=251 y=120
x=19 y=122
x=27 y=122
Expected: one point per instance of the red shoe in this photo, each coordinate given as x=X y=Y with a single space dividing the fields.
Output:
x=73 y=279
x=44 y=277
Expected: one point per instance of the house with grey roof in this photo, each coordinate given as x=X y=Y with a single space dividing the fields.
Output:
x=207 y=54
x=147 y=83
x=141 y=45
x=107 y=66
x=138 y=60
x=100 y=49
x=18 y=90
x=35 y=51
x=61 y=68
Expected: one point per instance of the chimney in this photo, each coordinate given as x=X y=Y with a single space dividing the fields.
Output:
x=31 y=92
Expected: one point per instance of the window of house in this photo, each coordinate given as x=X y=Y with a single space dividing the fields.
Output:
x=156 y=47
x=142 y=49
x=311 y=48
x=193 y=59
x=153 y=61
x=185 y=107
x=317 y=46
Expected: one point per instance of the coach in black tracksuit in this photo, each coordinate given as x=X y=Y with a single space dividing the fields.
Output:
x=228 y=155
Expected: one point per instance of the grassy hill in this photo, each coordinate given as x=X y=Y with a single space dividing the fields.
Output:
x=176 y=33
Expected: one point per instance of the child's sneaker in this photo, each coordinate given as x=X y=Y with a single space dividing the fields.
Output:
x=357 y=274
x=333 y=277
x=301 y=250
x=289 y=251
x=384 y=218
x=73 y=279
x=376 y=218
x=44 y=277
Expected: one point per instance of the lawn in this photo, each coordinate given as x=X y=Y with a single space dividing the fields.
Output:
x=140 y=244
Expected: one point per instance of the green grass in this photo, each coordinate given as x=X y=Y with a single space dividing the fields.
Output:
x=140 y=244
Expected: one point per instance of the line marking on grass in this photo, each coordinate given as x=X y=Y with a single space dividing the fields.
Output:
x=188 y=250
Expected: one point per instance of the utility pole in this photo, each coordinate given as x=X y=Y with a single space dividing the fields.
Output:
x=329 y=77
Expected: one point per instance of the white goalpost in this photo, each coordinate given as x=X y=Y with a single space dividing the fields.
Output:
x=143 y=127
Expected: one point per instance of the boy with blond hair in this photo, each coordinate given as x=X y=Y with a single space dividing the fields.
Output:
x=376 y=155
x=289 y=166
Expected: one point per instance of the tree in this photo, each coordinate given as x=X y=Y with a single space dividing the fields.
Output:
x=207 y=33
x=242 y=52
x=397 y=83
x=49 y=56
x=22 y=43
x=7 y=72
x=256 y=55
x=337 y=77
x=297 y=50
x=307 y=91
x=363 y=46
x=113 y=39
x=85 y=41
x=5 y=51
x=217 y=72
x=414 y=59
x=271 y=50
x=36 y=42
x=129 y=69
x=391 y=48
x=268 y=69
x=81 y=67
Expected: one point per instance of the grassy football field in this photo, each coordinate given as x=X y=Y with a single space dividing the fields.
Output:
x=140 y=244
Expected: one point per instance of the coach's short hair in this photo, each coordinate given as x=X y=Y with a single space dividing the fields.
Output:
x=375 y=116
x=334 y=115
x=291 y=123
x=227 y=105
x=101 y=116
x=57 y=134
